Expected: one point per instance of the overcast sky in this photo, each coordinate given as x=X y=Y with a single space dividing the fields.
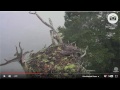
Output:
x=21 y=26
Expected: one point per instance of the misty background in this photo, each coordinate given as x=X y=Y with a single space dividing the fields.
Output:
x=20 y=26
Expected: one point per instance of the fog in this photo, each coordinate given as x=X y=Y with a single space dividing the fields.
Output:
x=26 y=28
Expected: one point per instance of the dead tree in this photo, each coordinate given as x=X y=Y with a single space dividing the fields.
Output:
x=53 y=33
x=20 y=57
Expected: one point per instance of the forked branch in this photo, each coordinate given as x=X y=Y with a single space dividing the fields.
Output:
x=54 y=34
x=42 y=20
x=19 y=56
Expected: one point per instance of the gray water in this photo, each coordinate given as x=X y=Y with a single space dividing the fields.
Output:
x=26 y=28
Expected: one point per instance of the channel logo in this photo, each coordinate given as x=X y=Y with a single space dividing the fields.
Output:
x=112 y=18
x=116 y=69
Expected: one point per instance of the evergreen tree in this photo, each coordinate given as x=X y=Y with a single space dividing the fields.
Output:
x=94 y=30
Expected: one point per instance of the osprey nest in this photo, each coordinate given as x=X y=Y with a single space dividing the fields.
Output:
x=63 y=60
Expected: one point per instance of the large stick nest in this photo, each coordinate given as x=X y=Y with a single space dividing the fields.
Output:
x=57 y=61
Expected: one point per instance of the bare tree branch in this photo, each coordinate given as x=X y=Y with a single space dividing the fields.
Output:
x=42 y=20
x=55 y=34
x=21 y=52
x=32 y=12
x=19 y=56
x=50 y=21
x=84 y=52
x=16 y=54
x=51 y=34
x=10 y=61
x=5 y=60
x=20 y=47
